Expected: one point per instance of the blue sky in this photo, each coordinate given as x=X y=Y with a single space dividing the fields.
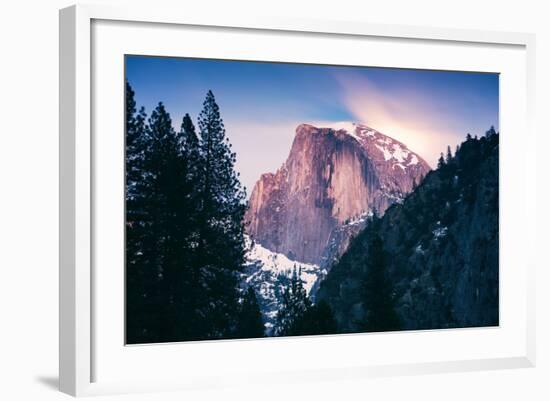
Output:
x=262 y=103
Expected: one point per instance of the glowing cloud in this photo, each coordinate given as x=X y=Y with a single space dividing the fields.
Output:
x=409 y=116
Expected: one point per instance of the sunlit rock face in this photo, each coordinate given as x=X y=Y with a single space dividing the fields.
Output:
x=331 y=177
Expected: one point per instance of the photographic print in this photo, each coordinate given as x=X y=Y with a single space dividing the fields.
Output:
x=268 y=199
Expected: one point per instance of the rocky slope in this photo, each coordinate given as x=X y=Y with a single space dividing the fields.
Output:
x=338 y=242
x=441 y=248
x=331 y=176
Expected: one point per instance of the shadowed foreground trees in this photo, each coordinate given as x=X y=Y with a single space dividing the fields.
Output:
x=377 y=289
x=298 y=316
x=184 y=229
x=250 y=324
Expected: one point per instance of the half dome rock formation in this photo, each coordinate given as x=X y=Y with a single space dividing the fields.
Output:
x=331 y=175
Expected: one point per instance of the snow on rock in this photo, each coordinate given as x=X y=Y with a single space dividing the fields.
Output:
x=363 y=217
x=439 y=231
x=387 y=154
x=277 y=263
x=269 y=274
x=391 y=149
x=347 y=126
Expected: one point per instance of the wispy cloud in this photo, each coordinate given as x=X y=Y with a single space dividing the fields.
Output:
x=409 y=116
x=262 y=103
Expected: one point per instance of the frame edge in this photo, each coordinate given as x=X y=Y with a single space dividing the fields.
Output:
x=530 y=54
x=75 y=346
x=67 y=113
x=74 y=201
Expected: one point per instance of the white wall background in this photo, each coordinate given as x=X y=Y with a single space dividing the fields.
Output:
x=29 y=186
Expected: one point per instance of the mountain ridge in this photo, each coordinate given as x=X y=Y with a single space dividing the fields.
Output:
x=330 y=176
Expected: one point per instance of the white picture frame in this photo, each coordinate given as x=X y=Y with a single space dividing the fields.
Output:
x=78 y=162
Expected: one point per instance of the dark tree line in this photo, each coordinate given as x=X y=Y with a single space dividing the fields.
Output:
x=298 y=316
x=376 y=288
x=184 y=230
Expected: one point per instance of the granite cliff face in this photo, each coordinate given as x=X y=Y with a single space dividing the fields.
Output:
x=332 y=176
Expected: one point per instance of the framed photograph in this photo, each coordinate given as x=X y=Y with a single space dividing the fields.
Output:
x=265 y=199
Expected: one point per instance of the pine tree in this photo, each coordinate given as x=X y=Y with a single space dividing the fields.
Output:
x=189 y=197
x=221 y=210
x=137 y=141
x=490 y=132
x=250 y=324
x=189 y=291
x=136 y=144
x=377 y=290
x=441 y=161
x=318 y=319
x=163 y=245
x=136 y=228
x=449 y=157
x=294 y=306
x=190 y=145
